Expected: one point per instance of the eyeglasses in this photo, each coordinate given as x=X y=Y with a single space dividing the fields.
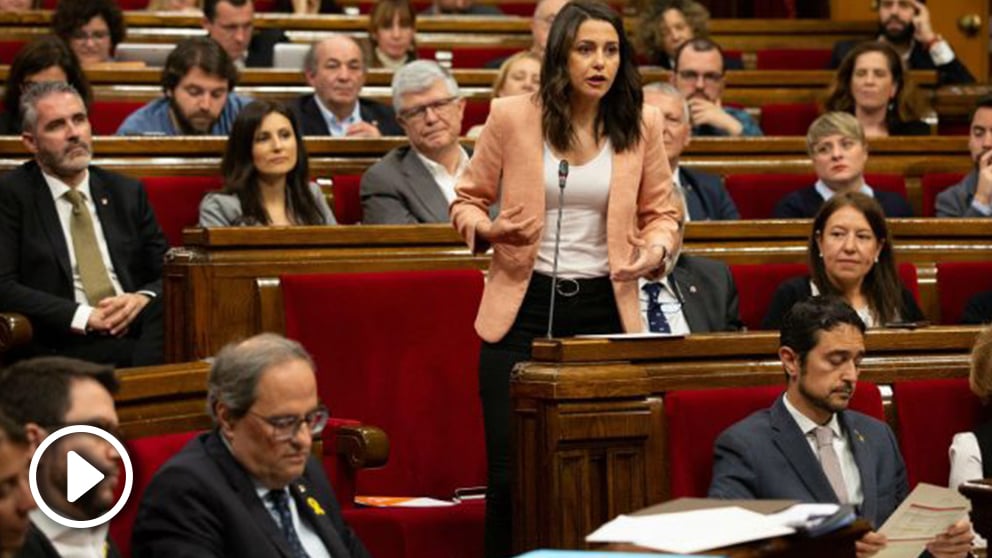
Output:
x=419 y=112
x=708 y=77
x=83 y=36
x=285 y=428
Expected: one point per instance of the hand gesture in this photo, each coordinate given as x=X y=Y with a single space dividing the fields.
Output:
x=921 y=22
x=703 y=112
x=119 y=311
x=645 y=260
x=507 y=228
x=955 y=542
x=983 y=190
x=362 y=129
x=870 y=544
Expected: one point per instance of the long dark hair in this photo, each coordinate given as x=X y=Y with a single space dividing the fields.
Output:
x=36 y=56
x=241 y=176
x=906 y=107
x=881 y=286
x=71 y=15
x=619 y=115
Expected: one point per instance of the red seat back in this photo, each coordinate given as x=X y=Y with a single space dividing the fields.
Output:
x=788 y=119
x=467 y=57
x=756 y=195
x=476 y=112
x=929 y=413
x=934 y=183
x=176 y=201
x=107 y=116
x=347 y=198
x=9 y=49
x=791 y=59
x=757 y=284
x=695 y=418
x=957 y=282
x=398 y=350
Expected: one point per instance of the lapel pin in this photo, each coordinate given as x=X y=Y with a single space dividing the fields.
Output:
x=103 y=201
x=301 y=489
x=692 y=289
x=860 y=437
x=315 y=506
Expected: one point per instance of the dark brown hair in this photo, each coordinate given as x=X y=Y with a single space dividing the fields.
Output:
x=70 y=15
x=619 y=115
x=36 y=56
x=382 y=16
x=649 y=36
x=241 y=176
x=198 y=52
x=37 y=390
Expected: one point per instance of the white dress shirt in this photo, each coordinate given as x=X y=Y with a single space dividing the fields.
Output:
x=444 y=179
x=309 y=538
x=671 y=305
x=338 y=127
x=71 y=542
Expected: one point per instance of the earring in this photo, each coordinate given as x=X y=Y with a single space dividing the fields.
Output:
x=876 y=259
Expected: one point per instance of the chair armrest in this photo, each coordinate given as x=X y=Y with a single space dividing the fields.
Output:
x=362 y=446
x=15 y=330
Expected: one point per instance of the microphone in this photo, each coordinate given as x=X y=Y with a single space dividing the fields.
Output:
x=562 y=178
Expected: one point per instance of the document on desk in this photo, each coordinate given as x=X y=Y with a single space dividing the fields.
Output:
x=691 y=531
x=928 y=511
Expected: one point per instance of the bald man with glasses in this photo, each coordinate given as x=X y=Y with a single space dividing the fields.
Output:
x=249 y=487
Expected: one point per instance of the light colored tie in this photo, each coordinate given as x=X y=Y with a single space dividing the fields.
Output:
x=92 y=272
x=830 y=462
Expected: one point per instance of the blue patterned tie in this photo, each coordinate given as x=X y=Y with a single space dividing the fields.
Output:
x=281 y=504
x=657 y=322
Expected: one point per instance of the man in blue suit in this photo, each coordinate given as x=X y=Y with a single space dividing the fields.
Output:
x=808 y=446
x=706 y=199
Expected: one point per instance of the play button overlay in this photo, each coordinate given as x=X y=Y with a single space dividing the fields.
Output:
x=83 y=477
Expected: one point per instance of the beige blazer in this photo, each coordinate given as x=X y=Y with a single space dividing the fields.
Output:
x=508 y=161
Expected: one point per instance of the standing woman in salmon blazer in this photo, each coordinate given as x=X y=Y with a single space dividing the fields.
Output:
x=619 y=219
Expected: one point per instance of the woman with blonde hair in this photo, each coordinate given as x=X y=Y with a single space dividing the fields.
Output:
x=519 y=74
x=967 y=447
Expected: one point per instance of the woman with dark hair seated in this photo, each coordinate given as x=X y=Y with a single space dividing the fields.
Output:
x=850 y=255
x=91 y=28
x=393 y=34
x=872 y=84
x=265 y=174
x=43 y=59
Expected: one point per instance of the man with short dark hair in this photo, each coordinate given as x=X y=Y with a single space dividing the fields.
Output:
x=231 y=23
x=905 y=25
x=80 y=250
x=699 y=74
x=809 y=446
x=249 y=487
x=198 y=94
x=335 y=68
x=44 y=395
x=15 y=495
x=972 y=197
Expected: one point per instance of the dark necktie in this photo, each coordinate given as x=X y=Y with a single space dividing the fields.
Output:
x=280 y=501
x=92 y=271
x=657 y=322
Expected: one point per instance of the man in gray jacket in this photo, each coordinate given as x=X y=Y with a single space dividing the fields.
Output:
x=972 y=197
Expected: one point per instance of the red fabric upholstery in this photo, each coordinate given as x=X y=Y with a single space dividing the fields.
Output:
x=470 y=56
x=347 y=198
x=107 y=116
x=791 y=59
x=957 y=282
x=929 y=413
x=9 y=49
x=788 y=119
x=757 y=284
x=908 y=276
x=757 y=194
x=476 y=112
x=945 y=128
x=176 y=201
x=695 y=418
x=398 y=350
x=934 y=183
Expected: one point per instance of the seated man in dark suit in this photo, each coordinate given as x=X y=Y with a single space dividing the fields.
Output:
x=698 y=295
x=415 y=183
x=705 y=197
x=249 y=487
x=808 y=446
x=905 y=25
x=836 y=143
x=80 y=250
x=978 y=311
x=15 y=495
x=42 y=395
x=335 y=68
x=231 y=23
x=972 y=197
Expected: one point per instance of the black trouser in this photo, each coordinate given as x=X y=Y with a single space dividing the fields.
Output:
x=592 y=310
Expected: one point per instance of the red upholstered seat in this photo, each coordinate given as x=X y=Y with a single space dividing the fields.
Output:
x=757 y=194
x=9 y=49
x=399 y=350
x=107 y=116
x=476 y=112
x=929 y=413
x=347 y=198
x=791 y=59
x=957 y=282
x=176 y=201
x=934 y=183
x=695 y=418
x=468 y=57
x=788 y=119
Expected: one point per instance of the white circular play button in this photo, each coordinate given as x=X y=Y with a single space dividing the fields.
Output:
x=81 y=476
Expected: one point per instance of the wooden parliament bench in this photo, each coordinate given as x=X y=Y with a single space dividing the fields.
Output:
x=588 y=415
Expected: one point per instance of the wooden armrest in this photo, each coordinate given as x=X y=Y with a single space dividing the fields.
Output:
x=15 y=330
x=364 y=447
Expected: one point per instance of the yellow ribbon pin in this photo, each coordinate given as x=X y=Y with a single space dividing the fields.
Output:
x=315 y=506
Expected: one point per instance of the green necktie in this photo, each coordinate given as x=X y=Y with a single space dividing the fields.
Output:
x=92 y=272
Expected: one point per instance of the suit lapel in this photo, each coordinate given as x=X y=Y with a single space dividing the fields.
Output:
x=866 y=470
x=694 y=201
x=685 y=283
x=49 y=217
x=794 y=446
x=313 y=119
x=423 y=187
x=315 y=515
x=244 y=489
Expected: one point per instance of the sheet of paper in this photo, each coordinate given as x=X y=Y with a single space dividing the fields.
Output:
x=928 y=511
x=401 y=502
x=692 y=531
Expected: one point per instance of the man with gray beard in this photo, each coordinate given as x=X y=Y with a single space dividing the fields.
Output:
x=80 y=249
